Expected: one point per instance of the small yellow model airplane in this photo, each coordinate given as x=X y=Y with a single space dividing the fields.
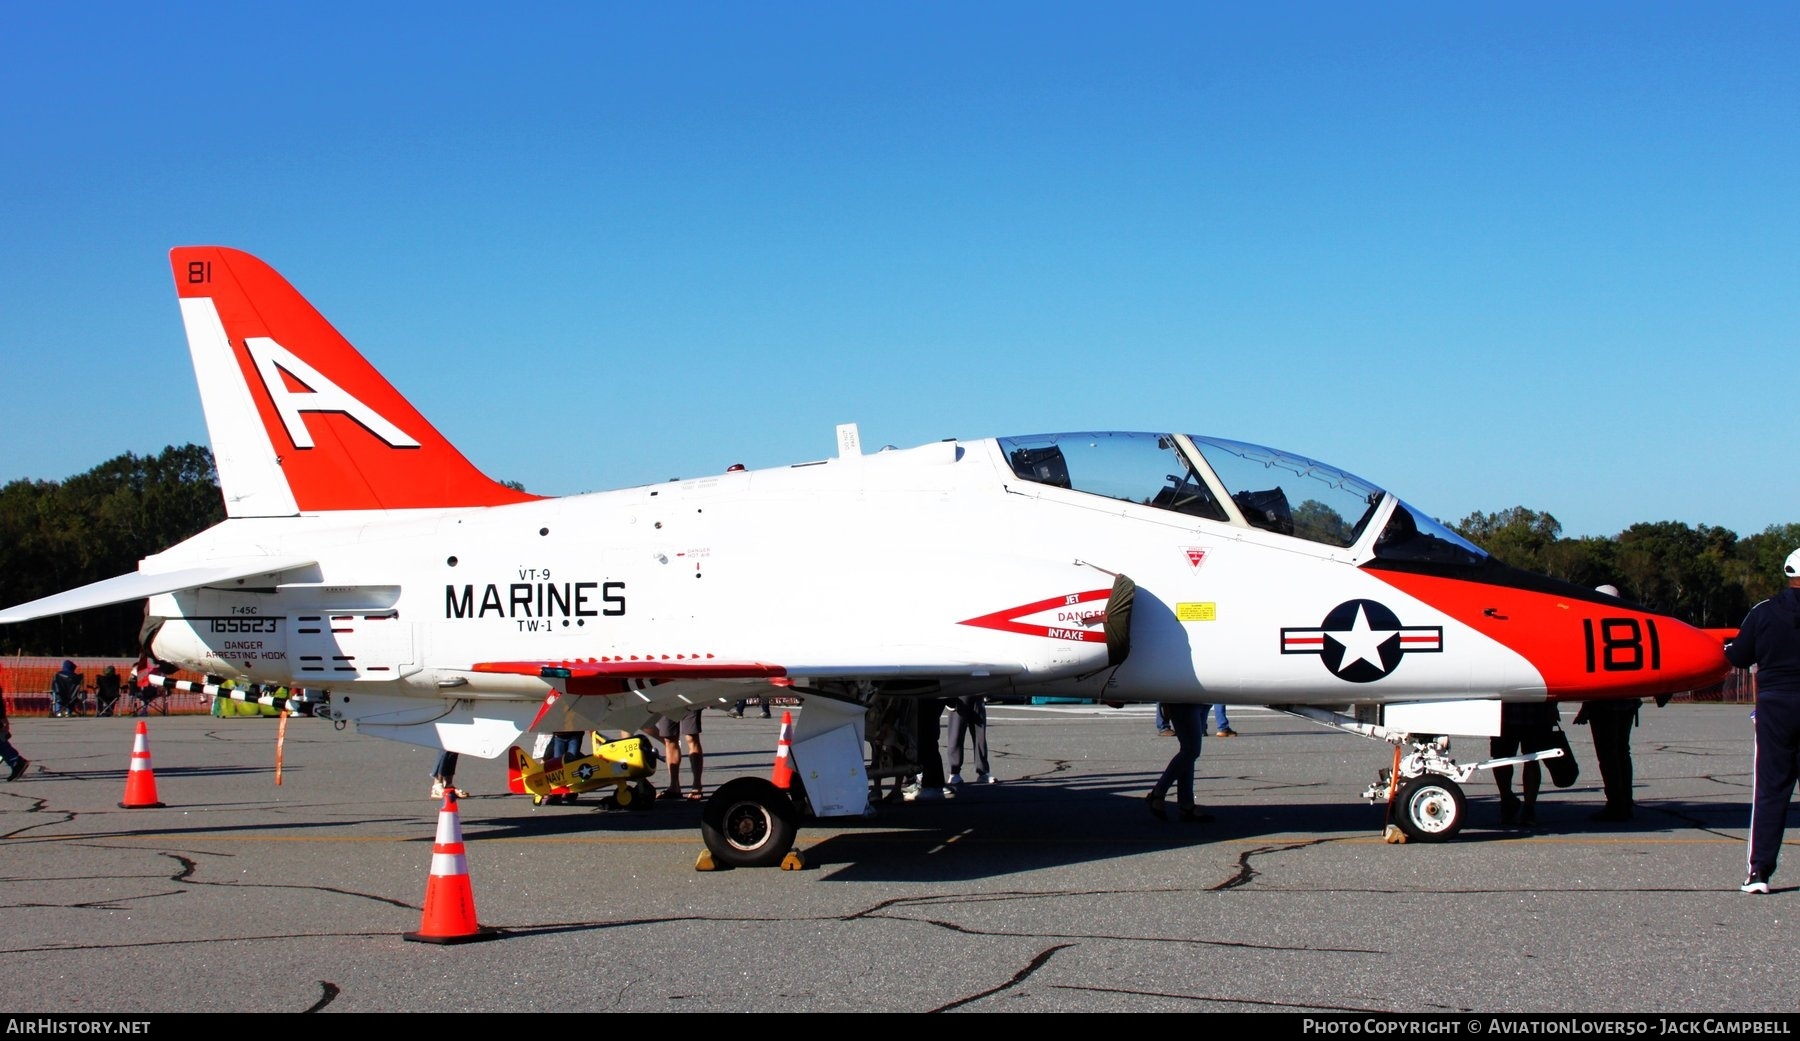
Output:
x=625 y=765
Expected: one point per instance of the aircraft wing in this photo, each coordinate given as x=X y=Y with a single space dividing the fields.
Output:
x=662 y=686
x=140 y=584
x=615 y=676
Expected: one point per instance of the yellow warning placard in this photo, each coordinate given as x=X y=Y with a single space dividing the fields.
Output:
x=1197 y=612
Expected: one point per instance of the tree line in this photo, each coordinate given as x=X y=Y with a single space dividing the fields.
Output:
x=56 y=535
x=1705 y=576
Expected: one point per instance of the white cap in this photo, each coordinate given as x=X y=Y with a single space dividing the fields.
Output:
x=1609 y=589
x=1792 y=567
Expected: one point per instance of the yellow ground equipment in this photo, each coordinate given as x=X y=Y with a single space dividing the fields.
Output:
x=624 y=765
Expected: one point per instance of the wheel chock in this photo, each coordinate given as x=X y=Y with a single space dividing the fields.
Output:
x=705 y=863
x=794 y=861
x=1393 y=834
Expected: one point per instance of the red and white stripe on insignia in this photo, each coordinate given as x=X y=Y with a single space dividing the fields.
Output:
x=1302 y=641
x=1412 y=638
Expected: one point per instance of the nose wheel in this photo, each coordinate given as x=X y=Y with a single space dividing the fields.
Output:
x=1430 y=808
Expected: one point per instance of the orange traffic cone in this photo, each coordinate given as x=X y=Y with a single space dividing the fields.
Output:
x=784 y=761
x=449 y=899
x=140 y=780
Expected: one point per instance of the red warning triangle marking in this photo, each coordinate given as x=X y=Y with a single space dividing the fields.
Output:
x=1008 y=620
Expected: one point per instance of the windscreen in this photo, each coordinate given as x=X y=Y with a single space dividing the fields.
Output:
x=1291 y=494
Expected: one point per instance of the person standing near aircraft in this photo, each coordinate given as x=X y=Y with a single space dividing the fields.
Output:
x=893 y=753
x=1769 y=640
x=1221 y=724
x=1524 y=727
x=968 y=717
x=443 y=776
x=8 y=753
x=696 y=755
x=1189 y=721
x=565 y=744
x=674 y=735
x=930 y=784
x=1610 y=722
x=668 y=731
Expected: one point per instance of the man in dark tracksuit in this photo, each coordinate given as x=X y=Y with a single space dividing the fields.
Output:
x=1770 y=640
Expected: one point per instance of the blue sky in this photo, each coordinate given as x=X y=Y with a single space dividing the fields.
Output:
x=1484 y=255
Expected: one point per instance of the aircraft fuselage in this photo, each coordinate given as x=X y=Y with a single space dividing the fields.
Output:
x=938 y=560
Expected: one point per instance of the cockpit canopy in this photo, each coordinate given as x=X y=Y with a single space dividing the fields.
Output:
x=1233 y=482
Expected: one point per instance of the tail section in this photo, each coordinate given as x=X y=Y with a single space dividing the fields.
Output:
x=299 y=421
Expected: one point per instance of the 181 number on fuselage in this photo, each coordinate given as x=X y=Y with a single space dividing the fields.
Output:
x=1619 y=645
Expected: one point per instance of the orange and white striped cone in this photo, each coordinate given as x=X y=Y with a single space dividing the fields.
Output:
x=784 y=759
x=449 y=899
x=140 y=780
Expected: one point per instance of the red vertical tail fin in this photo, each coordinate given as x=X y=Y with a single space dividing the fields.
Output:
x=299 y=421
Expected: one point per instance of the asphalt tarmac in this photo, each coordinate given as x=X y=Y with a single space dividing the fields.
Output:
x=1052 y=891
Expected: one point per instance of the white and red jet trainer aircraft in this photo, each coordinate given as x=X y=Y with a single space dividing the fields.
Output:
x=362 y=553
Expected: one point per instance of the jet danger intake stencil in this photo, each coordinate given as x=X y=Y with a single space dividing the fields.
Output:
x=1361 y=641
x=1076 y=616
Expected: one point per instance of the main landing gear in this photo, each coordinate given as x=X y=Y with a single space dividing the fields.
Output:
x=1424 y=787
x=748 y=822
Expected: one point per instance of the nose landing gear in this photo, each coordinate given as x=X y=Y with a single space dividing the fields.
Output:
x=1423 y=790
x=1430 y=808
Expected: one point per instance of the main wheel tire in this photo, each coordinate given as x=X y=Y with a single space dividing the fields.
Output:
x=749 y=822
x=643 y=795
x=1431 y=808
